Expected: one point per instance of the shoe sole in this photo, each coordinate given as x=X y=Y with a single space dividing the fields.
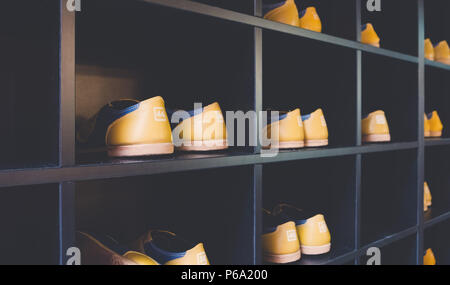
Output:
x=286 y=145
x=94 y=252
x=427 y=134
x=315 y=143
x=436 y=134
x=444 y=61
x=315 y=250
x=140 y=150
x=282 y=258
x=377 y=138
x=204 y=145
x=374 y=45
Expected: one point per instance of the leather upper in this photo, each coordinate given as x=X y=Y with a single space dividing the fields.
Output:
x=208 y=125
x=314 y=232
x=315 y=126
x=310 y=20
x=429 y=258
x=369 y=36
x=375 y=124
x=442 y=52
x=283 y=240
x=429 y=50
x=287 y=129
x=435 y=122
x=286 y=13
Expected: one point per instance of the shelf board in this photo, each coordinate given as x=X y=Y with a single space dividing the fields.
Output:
x=436 y=64
x=386 y=240
x=331 y=258
x=115 y=168
x=437 y=142
x=430 y=220
x=245 y=19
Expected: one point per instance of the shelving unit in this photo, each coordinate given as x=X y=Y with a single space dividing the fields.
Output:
x=61 y=67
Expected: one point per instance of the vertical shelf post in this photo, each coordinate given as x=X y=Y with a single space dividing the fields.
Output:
x=358 y=164
x=420 y=134
x=67 y=129
x=258 y=106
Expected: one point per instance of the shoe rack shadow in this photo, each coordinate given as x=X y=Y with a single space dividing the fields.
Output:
x=402 y=252
x=388 y=194
x=29 y=74
x=29 y=220
x=437 y=167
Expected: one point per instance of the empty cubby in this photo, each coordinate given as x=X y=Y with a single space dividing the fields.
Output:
x=437 y=21
x=436 y=239
x=29 y=222
x=388 y=193
x=396 y=24
x=192 y=59
x=317 y=186
x=401 y=252
x=391 y=85
x=437 y=167
x=29 y=83
x=201 y=206
x=294 y=74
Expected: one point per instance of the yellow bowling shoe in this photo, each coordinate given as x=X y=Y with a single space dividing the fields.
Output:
x=316 y=131
x=313 y=233
x=310 y=20
x=426 y=197
x=129 y=128
x=285 y=133
x=375 y=128
x=442 y=53
x=96 y=250
x=204 y=131
x=279 y=240
x=369 y=36
x=428 y=258
x=285 y=12
x=168 y=249
x=435 y=123
x=429 y=50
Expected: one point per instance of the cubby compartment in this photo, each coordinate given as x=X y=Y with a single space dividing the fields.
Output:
x=29 y=83
x=437 y=88
x=436 y=239
x=297 y=74
x=437 y=23
x=388 y=193
x=401 y=252
x=184 y=57
x=437 y=167
x=29 y=223
x=317 y=186
x=396 y=24
x=337 y=17
x=383 y=89
x=202 y=206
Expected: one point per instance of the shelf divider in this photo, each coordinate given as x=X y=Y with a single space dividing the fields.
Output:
x=66 y=192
